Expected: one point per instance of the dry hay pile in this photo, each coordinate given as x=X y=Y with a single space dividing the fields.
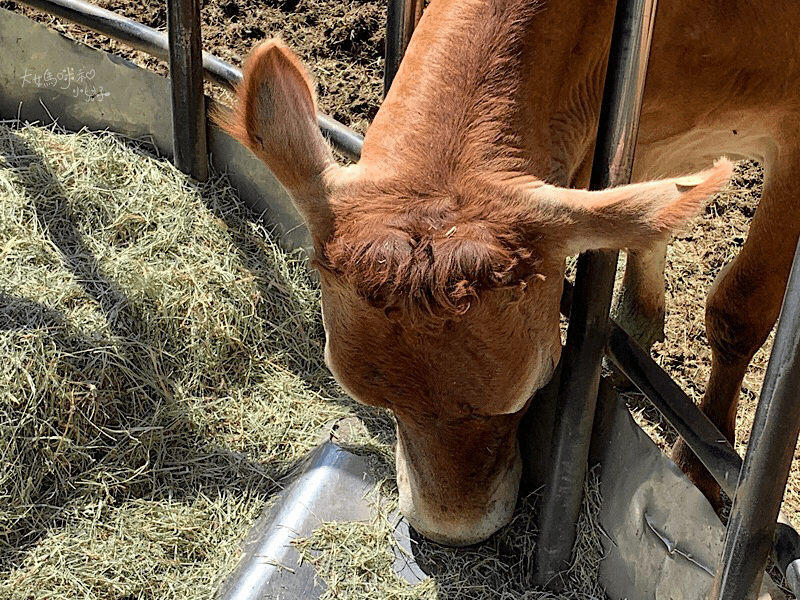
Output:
x=161 y=371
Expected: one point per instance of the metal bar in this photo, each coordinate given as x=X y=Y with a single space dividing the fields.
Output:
x=134 y=34
x=766 y=464
x=587 y=331
x=155 y=43
x=563 y=488
x=189 y=147
x=703 y=437
x=347 y=141
x=401 y=19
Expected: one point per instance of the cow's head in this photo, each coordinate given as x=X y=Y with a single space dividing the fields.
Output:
x=440 y=290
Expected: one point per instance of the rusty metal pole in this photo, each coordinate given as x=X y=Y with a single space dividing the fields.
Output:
x=186 y=77
x=588 y=326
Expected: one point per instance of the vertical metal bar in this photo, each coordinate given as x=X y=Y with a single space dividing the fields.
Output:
x=401 y=19
x=705 y=440
x=588 y=326
x=186 y=76
x=766 y=464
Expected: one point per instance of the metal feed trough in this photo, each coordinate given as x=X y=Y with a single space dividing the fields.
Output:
x=663 y=538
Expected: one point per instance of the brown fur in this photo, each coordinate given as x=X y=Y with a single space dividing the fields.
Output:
x=442 y=252
x=433 y=258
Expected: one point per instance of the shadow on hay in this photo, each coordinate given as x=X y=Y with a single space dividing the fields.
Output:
x=377 y=421
x=95 y=440
x=98 y=443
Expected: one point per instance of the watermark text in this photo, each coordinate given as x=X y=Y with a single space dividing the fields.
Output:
x=79 y=82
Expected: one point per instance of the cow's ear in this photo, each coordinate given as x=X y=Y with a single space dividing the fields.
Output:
x=630 y=216
x=276 y=119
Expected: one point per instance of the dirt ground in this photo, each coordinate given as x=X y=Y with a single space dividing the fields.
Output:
x=342 y=43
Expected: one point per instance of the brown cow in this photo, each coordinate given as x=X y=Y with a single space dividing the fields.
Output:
x=441 y=253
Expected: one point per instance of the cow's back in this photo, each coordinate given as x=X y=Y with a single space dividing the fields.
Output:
x=723 y=78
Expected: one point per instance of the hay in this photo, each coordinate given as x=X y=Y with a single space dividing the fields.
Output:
x=355 y=559
x=160 y=365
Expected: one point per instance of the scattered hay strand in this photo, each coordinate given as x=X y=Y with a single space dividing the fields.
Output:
x=355 y=559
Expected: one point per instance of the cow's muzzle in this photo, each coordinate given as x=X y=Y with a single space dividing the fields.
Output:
x=457 y=498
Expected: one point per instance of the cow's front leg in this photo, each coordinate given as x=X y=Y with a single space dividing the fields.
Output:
x=639 y=306
x=742 y=307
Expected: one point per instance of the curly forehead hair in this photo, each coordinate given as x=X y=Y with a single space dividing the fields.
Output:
x=432 y=274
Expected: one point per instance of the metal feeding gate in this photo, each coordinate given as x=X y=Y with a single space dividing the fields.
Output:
x=756 y=484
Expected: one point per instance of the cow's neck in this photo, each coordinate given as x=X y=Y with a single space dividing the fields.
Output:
x=496 y=86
